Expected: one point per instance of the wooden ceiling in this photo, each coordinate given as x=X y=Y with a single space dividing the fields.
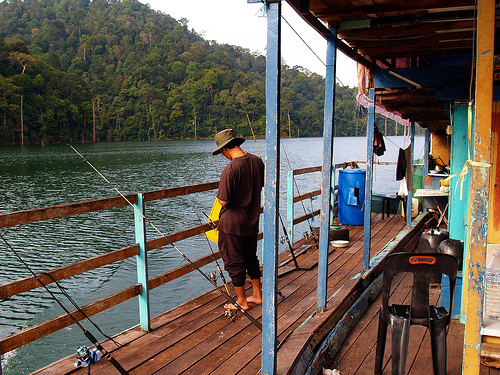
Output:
x=383 y=33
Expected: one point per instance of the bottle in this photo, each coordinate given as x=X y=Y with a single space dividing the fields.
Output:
x=492 y=295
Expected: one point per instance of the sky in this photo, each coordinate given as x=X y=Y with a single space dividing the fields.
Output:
x=238 y=23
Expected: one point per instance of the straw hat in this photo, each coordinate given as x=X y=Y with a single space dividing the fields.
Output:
x=223 y=138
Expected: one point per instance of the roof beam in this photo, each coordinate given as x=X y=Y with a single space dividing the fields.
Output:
x=325 y=32
x=403 y=6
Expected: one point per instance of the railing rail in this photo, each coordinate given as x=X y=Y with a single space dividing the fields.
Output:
x=45 y=328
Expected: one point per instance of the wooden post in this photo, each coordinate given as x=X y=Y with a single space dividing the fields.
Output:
x=142 y=264
x=290 y=211
x=22 y=122
x=328 y=169
x=479 y=191
x=369 y=180
x=409 y=204
x=93 y=120
x=271 y=189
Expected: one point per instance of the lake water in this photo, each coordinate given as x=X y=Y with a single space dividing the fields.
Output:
x=36 y=176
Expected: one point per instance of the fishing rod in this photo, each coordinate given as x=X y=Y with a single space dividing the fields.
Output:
x=225 y=295
x=301 y=202
x=290 y=247
x=228 y=312
x=213 y=225
x=87 y=333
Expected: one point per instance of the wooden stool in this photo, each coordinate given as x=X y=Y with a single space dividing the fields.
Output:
x=386 y=202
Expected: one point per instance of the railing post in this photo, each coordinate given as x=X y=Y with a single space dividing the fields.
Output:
x=142 y=264
x=271 y=190
x=369 y=179
x=290 y=205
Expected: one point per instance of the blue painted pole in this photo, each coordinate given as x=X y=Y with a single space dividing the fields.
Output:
x=369 y=179
x=426 y=156
x=142 y=264
x=410 y=188
x=271 y=189
x=326 y=173
x=290 y=212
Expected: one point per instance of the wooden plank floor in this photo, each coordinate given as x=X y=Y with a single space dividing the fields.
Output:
x=196 y=338
x=357 y=354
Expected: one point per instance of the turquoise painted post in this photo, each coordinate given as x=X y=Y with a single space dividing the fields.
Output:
x=142 y=264
x=290 y=213
x=369 y=178
x=410 y=188
x=271 y=189
x=326 y=173
x=458 y=210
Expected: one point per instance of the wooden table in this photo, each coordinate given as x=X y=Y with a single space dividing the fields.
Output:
x=434 y=193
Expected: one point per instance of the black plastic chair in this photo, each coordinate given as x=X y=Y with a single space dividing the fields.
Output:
x=400 y=317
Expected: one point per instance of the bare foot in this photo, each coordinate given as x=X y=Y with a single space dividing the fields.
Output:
x=256 y=300
x=230 y=306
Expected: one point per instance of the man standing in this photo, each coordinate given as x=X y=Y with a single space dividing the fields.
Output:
x=240 y=186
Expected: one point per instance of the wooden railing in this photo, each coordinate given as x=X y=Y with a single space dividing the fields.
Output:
x=45 y=328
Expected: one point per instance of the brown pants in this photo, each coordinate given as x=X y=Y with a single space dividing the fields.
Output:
x=239 y=254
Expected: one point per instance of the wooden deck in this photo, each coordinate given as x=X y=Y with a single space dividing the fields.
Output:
x=196 y=338
x=357 y=354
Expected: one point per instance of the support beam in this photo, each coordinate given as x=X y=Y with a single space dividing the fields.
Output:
x=328 y=168
x=142 y=264
x=409 y=204
x=369 y=178
x=479 y=191
x=271 y=189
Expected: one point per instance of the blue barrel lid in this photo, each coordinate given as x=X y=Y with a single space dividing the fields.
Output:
x=357 y=170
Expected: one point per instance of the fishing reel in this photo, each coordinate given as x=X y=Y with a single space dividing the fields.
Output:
x=213 y=276
x=87 y=357
x=282 y=240
x=232 y=315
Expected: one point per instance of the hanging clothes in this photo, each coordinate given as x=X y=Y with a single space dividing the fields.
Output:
x=401 y=165
x=378 y=142
x=403 y=169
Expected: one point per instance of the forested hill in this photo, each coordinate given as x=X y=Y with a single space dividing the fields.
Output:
x=69 y=67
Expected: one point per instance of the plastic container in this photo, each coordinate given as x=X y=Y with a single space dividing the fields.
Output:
x=492 y=296
x=351 y=197
x=414 y=208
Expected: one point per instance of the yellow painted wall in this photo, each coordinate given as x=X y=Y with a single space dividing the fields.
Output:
x=494 y=207
x=440 y=147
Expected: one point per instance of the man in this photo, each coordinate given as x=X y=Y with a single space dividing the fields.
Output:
x=240 y=186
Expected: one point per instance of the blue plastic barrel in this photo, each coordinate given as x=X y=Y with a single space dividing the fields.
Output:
x=351 y=196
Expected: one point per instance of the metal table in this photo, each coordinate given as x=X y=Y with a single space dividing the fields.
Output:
x=434 y=193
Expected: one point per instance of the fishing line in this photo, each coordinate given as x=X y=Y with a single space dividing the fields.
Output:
x=70 y=299
x=88 y=334
x=219 y=269
x=214 y=226
x=290 y=247
x=227 y=296
x=319 y=58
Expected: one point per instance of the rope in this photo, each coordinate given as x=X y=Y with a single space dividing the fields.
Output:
x=463 y=174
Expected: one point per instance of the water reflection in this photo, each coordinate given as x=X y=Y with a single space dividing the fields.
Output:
x=36 y=176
